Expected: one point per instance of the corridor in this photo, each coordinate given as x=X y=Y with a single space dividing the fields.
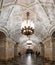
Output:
x=27 y=26
x=28 y=60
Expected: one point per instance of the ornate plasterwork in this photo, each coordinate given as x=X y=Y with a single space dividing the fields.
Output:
x=52 y=29
x=4 y=30
x=42 y=12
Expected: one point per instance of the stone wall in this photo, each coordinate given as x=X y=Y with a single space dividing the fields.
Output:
x=6 y=49
x=16 y=50
x=2 y=49
x=53 y=51
x=48 y=49
x=19 y=49
x=42 y=49
x=9 y=49
x=37 y=48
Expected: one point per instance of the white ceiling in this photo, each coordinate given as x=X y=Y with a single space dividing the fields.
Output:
x=42 y=12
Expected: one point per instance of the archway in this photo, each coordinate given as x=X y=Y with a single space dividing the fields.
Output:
x=29 y=51
x=53 y=35
x=53 y=38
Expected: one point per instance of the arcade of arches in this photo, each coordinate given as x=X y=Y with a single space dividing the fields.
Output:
x=14 y=49
x=9 y=49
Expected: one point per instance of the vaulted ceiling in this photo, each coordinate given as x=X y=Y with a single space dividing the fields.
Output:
x=13 y=12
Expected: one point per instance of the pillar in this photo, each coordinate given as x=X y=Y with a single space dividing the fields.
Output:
x=42 y=49
x=16 y=50
x=53 y=50
x=9 y=49
x=48 y=49
x=53 y=44
x=2 y=46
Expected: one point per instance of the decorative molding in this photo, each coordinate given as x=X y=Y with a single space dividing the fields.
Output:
x=52 y=29
x=4 y=30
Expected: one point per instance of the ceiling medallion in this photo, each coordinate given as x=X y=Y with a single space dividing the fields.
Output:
x=27 y=26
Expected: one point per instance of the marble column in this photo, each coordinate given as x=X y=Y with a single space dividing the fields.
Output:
x=9 y=49
x=2 y=49
x=53 y=50
x=2 y=46
x=42 y=49
x=48 y=49
x=16 y=50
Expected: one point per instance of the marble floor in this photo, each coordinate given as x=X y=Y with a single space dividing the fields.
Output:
x=28 y=60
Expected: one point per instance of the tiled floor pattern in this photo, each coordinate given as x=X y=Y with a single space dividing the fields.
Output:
x=28 y=60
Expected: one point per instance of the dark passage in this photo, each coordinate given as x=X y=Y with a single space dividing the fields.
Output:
x=29 y=51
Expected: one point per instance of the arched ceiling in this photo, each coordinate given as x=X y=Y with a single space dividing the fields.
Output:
x=42 y=12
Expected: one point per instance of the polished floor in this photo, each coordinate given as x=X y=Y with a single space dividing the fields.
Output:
x=28 y=60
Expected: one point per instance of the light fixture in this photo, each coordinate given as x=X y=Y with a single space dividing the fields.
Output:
x=29 y=43
x=27 y=26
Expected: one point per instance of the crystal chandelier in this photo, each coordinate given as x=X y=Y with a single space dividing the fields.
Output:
x=27 y=26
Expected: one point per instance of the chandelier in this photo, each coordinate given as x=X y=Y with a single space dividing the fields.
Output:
x=27 y=26
x=29 y=42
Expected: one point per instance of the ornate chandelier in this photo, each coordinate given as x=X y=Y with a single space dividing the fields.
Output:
x=27 y=27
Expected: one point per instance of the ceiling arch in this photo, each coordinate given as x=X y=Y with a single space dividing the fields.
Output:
x=42 y=12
